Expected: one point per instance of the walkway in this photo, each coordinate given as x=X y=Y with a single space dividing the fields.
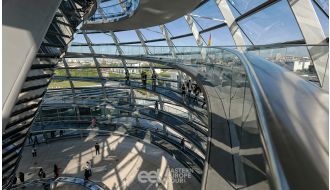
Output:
x=120 y=160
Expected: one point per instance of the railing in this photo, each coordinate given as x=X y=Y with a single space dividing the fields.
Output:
x=294 y=57
x=50 y=183
x=255 y=97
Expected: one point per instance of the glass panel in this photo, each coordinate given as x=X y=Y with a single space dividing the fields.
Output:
x=218 y=37
x=80 y=62
x=79 y=38
x=178 y=27
x=243 y=6
x=79 y=49
x=186 y=41
x=275 y=24
x=127 y=36
x=152 y=33
x=59 y=84
x=210 y=11
x=324 y=20
x=100 y=38
x=60 y=72
x=324 y=4
x=85 y=72
x=85 y=84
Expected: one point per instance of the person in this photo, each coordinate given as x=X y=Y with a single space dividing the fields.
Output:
x=86 y=174
x=97 y=148
x=183 y=90
x=56 y=171
x=93 y=122
x=34 y=151
x=52 y=134
x=127 y=77
x=41 y=173
x=154 y=80
x=88 y=171
x=30 y=138
x=156 y=107
x=182 y=144
x=21 y=177
x=61 y=132
x=196 y=92
x=189 y=88
x=14 y=179
x=204 y=102
x=145 y=79
x=36 y=140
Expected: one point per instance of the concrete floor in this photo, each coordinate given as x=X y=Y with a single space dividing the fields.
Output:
x=117 y=167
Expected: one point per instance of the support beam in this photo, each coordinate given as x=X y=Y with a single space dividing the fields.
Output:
x=100 y=10
x=168 y=40
x=312 y=32
x=194 y=30
x=233 y=26
x=142 y=40
x=97 y=64
x=69 y=77
x=147 y=52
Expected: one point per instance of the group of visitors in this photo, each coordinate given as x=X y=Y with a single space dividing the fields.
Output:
x=190 y=91
x=41 y=174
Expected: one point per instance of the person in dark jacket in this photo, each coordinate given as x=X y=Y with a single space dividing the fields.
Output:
x=97 y=148
x=41 y=173
x=182 y=143
x=56 y=171
x=156 y=107
x=21 y=177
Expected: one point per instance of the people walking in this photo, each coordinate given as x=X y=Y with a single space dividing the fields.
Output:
x=127 y=77
x=144 y=78
x=30 y=138
x=87 y=171
x=97 y=148
x=61 y=132
x=41 y=173
x=156 y=107
x=189 y=88
x=56 y=171
x=183 y=91
x=154 y=80
x=204 y=102
x=93 y=122
x=14 y=179
x=35 y=140
x=21 y=177
x=196 y=92
x=182 y=143
x=34 y=152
